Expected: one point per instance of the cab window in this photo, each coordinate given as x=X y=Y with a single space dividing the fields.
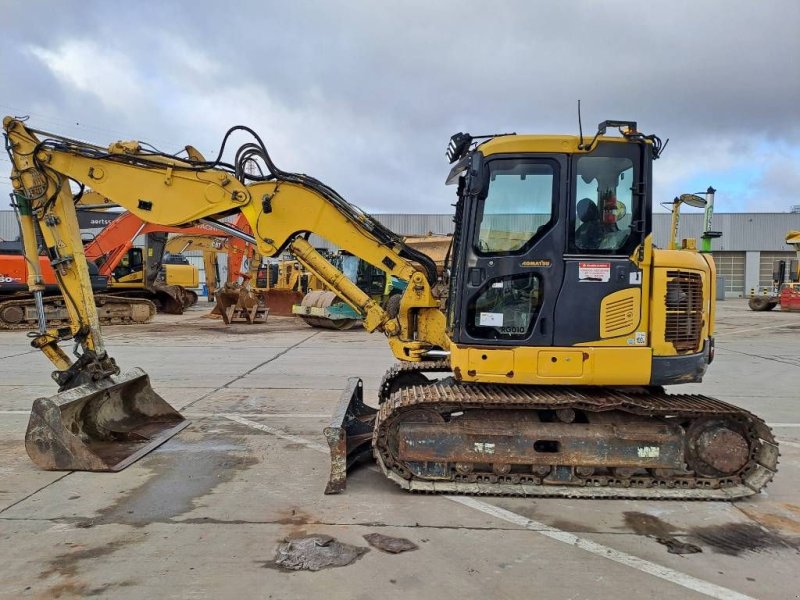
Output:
x=603 y=207
x=518 y=205
x=506 y=308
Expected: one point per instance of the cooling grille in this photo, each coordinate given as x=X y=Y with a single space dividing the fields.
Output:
x=684 y=304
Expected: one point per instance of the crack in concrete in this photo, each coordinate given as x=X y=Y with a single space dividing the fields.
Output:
x=246 y=373
x=784 y=362
x=34 y=493
x=212 y=521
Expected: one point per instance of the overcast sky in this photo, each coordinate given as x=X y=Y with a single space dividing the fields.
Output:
x=365 y=95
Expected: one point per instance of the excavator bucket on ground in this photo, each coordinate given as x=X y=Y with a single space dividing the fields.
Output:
x=100 y=426
x=280 y=301
x=324 y=309
x=349 y=435
x=173 y=299
x=240 y=306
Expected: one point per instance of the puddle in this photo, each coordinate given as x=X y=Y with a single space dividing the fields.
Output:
x=184 y=472
x=735 y=539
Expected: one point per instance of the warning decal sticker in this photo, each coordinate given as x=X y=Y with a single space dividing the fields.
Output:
x=594 y=271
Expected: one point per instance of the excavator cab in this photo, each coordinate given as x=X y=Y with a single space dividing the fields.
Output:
x=545 y=237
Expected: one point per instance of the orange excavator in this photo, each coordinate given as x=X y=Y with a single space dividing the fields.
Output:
x=136 y=272
x=130 y=283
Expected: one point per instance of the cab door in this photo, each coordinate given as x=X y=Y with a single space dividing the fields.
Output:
x=601 y=297
x=509 y=268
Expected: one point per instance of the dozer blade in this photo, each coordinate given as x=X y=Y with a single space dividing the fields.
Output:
x=280 y=302
x=349 y=435
x=100 y=426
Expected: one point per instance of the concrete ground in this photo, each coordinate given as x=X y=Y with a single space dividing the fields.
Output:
x=202 y=516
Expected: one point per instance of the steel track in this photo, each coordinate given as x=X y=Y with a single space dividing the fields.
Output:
x=449 y=397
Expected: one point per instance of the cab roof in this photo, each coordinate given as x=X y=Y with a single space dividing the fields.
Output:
x=515 y=144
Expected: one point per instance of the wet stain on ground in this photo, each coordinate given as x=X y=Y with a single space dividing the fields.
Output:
x=735 y=539
x=66 y=564
x=648 y=525
x=185 y=471
x=732 y=539
x=66 y=567
x=572 y=526
x=659 y=530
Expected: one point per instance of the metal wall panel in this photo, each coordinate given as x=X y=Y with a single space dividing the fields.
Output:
x=741 y=231
x=9 y=230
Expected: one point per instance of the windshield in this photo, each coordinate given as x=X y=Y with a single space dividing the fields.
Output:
x=518 y=204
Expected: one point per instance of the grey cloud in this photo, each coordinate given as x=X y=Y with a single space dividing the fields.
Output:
x=365 y=95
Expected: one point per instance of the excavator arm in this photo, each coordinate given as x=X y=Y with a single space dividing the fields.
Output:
x=280 y=209
x=103 y=420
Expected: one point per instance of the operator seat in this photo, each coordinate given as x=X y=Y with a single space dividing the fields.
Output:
x=589 y=234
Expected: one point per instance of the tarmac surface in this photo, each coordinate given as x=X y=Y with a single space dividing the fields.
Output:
x=204 y=515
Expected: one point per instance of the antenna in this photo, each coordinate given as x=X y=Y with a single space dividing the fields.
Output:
x=580 y=126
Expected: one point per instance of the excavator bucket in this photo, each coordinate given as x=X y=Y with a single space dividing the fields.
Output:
x=173 y=299
x=100 y=426
x=240 y=306
x=349 y=435
x=280 y=302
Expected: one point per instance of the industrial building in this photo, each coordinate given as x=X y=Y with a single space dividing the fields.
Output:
x=744 y=255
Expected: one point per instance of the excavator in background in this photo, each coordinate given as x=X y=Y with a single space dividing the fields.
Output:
x=140 y=272
x=785 y=290
x=265 y=288
x=540 y=372
x=211 y=246
x=134 y=282
x=323 y=308
x=18 y=309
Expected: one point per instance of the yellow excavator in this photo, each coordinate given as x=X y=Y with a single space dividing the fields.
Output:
x=211 y=246
x=535 y=368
